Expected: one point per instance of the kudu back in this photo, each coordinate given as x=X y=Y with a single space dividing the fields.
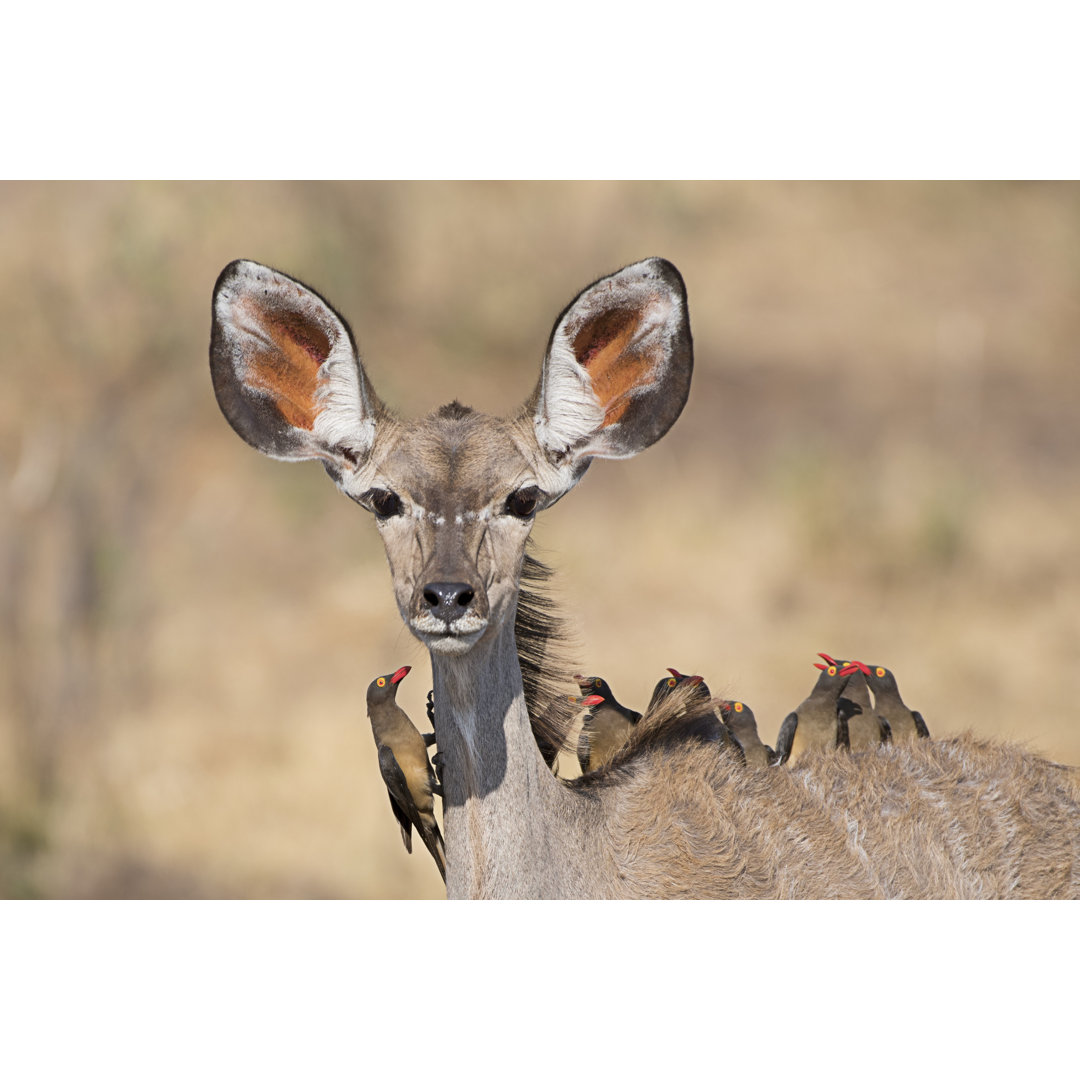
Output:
x=454 y=495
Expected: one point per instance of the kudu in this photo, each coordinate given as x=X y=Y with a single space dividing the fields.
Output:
x=454 y=495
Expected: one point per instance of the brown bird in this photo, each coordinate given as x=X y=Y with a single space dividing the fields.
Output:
x=405 y=768
x=666 y=685
x=723 y=732
x=740 y=721
x=906 y=724
x=820 y=721
x=867 y=728
x=607 y=726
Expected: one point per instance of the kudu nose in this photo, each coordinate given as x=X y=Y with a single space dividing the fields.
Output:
x=448 y=599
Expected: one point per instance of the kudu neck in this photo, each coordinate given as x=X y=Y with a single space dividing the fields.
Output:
x=502 y=806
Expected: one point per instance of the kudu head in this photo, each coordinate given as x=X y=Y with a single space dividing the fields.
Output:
x=454 y=494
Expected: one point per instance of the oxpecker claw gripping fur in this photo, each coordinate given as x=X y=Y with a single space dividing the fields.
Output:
x=429 y=736
x=430 y=740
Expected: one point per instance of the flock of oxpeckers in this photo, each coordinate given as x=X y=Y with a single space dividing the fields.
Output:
x=837 y=714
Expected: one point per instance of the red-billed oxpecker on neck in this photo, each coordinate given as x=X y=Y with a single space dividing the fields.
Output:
x=607 y=725
x=740 y=721
x=404 y=765
x=817 y=723
x=867 y=729
x=906 y=724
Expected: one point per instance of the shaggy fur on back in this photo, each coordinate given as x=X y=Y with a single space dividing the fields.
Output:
x=988 y=809
x=960 y=817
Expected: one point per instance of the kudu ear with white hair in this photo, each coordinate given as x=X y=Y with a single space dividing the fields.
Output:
x=617 y=371
x=286 y=371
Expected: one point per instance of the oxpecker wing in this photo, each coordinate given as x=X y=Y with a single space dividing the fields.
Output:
x=398 y=790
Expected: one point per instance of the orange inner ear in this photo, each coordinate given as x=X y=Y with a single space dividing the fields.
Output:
x=601 y=348
x=290 y=371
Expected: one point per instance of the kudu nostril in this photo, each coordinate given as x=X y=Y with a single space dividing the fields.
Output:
x=447 y=599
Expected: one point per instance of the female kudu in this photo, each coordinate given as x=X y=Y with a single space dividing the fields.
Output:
x=454 y=495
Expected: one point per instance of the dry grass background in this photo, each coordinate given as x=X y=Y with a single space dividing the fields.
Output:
x=879 y=458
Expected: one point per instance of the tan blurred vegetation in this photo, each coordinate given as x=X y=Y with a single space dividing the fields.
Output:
x=879 y=459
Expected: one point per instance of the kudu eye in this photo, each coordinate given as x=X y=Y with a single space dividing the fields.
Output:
x=386 y=504
x=522 y=503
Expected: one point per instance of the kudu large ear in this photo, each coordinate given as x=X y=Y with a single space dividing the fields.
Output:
x=286 y=371
x=617 y=370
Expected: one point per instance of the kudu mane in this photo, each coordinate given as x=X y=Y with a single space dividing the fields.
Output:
x=541 y=636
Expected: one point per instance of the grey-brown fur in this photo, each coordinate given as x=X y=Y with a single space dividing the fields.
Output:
x=930 y=824
x=669 y=815
x=927 y=820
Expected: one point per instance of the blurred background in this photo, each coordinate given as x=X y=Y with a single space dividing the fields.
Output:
x=879 y=459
